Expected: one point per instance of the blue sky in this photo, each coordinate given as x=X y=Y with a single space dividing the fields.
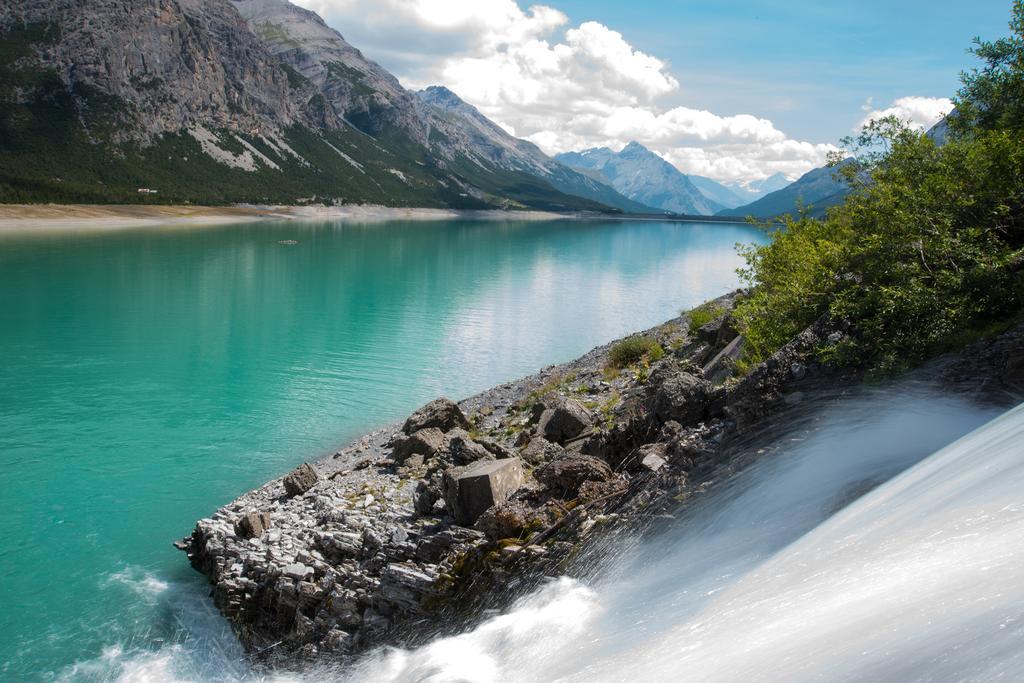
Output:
x=808 y=66
x=734 y=90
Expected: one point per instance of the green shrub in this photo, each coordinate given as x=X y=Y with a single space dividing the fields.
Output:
x=703 y=314
x=632 y=350
x=926 y=253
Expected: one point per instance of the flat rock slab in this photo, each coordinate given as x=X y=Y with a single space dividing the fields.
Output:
x=723 y=365
x=469 y=494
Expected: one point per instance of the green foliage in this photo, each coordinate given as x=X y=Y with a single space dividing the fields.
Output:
x=792 y=278
x=703 y=314
x=992 y=97
x=634 y=349
x=930 y=248
x=927 y=253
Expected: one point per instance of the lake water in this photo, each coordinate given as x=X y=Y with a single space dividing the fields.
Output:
x=150 y=376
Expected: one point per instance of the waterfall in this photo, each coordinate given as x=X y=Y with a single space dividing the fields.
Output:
x=773 y=579
x=877 y=542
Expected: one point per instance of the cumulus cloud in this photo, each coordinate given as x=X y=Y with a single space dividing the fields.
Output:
x=921 y=112
x=563 y=87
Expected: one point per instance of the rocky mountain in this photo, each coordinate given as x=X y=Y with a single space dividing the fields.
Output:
x=643 y=176
x=817 y=190
x=720 y=194
x=337 y=83
x=213 y=101
x=752 y=190
x=461 y=129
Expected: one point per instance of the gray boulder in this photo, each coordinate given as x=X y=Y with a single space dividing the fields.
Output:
x=469 y=492
x=565 y=421
x=252 y=525
x=424 y=497
x=507 y=520
x=678 y=395
x=718 y=332
x=567 y=474
x=540 y=451
x=495 y=448
x=464 y=450
x=300 y=480
x=425 y=442
x=442 y=414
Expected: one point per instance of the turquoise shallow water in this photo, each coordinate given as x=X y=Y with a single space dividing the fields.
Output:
x=150 y=376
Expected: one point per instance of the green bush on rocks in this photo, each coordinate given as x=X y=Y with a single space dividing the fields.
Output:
x=633 y=350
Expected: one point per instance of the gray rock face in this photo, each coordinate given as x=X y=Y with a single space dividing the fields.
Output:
x=567 y=474
x=352 y=88
x=300 y=480
x=470 y=492
x=177 y=62
x=469 y=133
x=266 y=87
x=564 y=422
x=443 y=414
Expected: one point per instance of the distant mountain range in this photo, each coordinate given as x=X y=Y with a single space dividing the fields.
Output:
x=644 y=177
x=718 y=192
x=817 y=190
x=214 y=101
x=734 y=194
x=752 y=190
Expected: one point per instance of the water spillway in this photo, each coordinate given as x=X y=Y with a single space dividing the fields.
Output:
x=781 y=577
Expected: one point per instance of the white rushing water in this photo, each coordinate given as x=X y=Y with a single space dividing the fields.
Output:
x=782 y=575
x=920 y=579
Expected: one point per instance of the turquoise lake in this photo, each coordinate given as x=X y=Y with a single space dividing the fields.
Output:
x=150 y=376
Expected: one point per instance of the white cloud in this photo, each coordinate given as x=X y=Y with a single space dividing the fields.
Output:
x=921 y=112
x=564 y=88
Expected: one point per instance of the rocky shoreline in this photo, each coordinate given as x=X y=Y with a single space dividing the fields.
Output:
x=417 y=528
